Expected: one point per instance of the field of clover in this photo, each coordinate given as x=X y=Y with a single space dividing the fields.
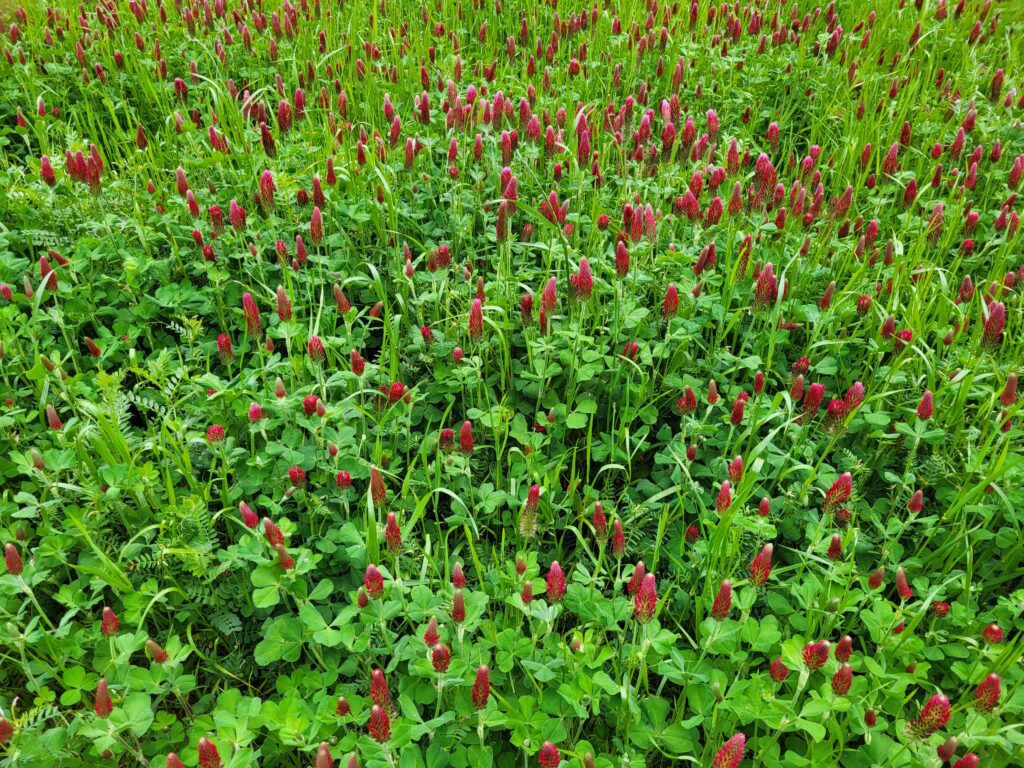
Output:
x=471 y=383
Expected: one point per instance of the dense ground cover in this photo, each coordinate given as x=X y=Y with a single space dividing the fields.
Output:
x=508 y=383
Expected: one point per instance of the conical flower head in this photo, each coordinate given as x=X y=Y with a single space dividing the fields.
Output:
x=528 y=515
x=585 y=280
x=670 y=306
x=309 y=403
x=813 y=400
x=440 y=657
x=863 y=304
x=379 y=693
x=466 y=438
x=12 y=559
x=209 y=757
x=458 y=576
x=109 y=621
x=724 y=499
x=458 y=607
x=446 y=440
x=646 y=600
x=723 y=600
x=323 y=756
x=816 y=654
x=731 y=753
x=778 y=671
x=835 y=548
x=555 y=583
x=993 y=634
x=527 y=594
x=637 y=579
x=947 y=749
x=476 y=320
x=252 y=315
x=266 y=195
x=431 y=636
x=766 y=291
x=52 y=419
x=934 y=716
x=316 y=226
x=481 y=686
x=315 y=347
x=549 y=296
x=379 y=726
x=970 y=760
x=340 y=301
x=854 y=396
x=736 y=469
x=736 y=417
x=173 y=761
x=396 y=392
x=618 y=539
x=926 y=406
x=156 y=651
x=526 y=309
x=393 y=534
x=835 y=415
x=255 y=412
x=844 y=648
x=236 y=215
x=761 y=565
x=902 y=586
x=876 y=577
x=994 y=324
x=688 y=402
x=842 y=679
x=285 y=560
x=891 y=161
x=839 y=492
x=377 y=490
x=373 y=581
x=916 y=502
x=358 y=365
x=272 y=532
x=46 y=171
x=599 y=521
x=621 y=259
x=796 y=392
x=284 y=305
x=1009 y=395
x=986 y=696
x=548 y=757
x=102 y=704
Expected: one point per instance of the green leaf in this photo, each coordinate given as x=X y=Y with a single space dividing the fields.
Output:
x=576 y=420
x=815 y=730
x=265 y=576
x=266 y=597
x=283 y=640
x=321 y=591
